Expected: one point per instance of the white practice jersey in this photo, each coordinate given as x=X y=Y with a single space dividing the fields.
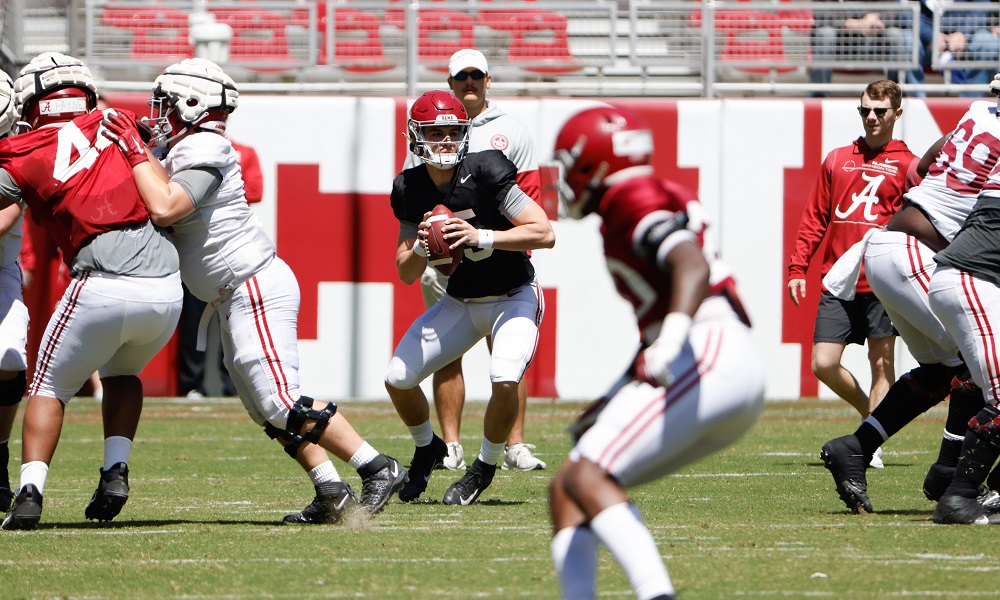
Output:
x=222 y=244
x=952 y=184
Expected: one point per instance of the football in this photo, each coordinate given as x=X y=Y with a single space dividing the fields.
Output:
x=440 y=257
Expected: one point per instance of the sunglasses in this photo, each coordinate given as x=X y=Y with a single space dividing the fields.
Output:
x=476 y=75
x=879 y=112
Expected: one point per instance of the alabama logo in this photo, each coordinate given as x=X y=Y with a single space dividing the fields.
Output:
x=500 y=142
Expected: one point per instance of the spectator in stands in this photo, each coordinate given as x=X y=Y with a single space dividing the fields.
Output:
x=492 y=128
x=859 y=38
x=190 y=358
x=963 y=35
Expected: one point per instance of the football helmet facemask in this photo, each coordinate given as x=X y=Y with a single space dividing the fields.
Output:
x=190 y=95
x=594 y=148
x=438 y=109
x=53 y=88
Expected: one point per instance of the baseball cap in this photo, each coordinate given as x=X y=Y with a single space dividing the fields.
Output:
x=467 y=58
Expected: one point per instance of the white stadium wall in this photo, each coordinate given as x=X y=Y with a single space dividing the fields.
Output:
x=329 y=162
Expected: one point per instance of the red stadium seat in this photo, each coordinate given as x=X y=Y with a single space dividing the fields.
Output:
x=259 y=38
x=538 y=40
x=159 y=33
x=357 y=42
x=441 y=33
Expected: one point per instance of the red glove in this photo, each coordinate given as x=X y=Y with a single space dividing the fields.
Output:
x=123 y=132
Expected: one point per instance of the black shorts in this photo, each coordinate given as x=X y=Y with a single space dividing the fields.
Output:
x=851 y=321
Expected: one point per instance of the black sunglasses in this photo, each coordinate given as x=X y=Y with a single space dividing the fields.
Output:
x=476 y=75
x=879 y=112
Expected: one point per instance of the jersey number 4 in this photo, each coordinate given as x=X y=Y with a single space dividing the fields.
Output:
x=73 y=143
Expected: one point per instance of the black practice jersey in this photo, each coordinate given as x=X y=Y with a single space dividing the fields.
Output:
x=479 y=186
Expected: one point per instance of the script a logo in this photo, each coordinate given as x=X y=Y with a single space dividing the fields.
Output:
x=867 y=196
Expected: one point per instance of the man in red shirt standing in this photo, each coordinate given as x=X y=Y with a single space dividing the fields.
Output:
x=859 y=187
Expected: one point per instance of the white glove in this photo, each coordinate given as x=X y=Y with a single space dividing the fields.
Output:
x=653 y=363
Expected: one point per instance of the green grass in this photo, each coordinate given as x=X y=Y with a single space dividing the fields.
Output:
x=208 y=490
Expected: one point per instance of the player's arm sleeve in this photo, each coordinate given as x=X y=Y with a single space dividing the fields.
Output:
x=198 y=183
x=814 y=223
x=660 y=232
x=10 y=192
x=514 y=202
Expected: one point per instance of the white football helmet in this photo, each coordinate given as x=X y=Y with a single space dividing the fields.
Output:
x=8 y=108
x=995 y=88
x=65 y=81
x=185 y=96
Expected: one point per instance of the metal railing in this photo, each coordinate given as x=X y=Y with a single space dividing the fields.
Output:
x=654 y=47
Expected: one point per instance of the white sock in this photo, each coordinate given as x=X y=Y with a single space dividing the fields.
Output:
x=422 y=434
x=35 y=473
x=490 y=452
x=325 y=473
x=574 y=552
x=621 y=530
x=116 y=450
x=363 y=456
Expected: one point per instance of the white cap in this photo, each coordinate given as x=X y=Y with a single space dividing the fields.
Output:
x=467 y=58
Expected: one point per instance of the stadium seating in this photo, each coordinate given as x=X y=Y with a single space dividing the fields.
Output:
x=357 y=41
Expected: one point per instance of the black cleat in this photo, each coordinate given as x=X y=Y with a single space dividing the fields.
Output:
x=477 y=478
x=26 y=510
x=6 y=497
x=845 y=461
x=425 y=460
x=334 y=501
x=937 y=480
x=378 y=487
x=956 y=509
x=111 y=494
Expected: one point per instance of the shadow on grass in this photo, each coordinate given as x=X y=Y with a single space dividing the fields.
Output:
x=123 y=524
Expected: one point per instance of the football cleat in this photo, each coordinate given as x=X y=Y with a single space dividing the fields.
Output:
x=876 y=462
x=955 y=509
x=6 y=497
x=937 y=480
x=466 y=490
x=519 y=458
x=843 y=458
x=26 y=510
x=110 y=495
x=989 y=499
x=334 y=500
x=425 y=460
x=456 y=457
x=378 y=487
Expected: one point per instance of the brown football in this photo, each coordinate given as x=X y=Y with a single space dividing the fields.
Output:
x=440 y=257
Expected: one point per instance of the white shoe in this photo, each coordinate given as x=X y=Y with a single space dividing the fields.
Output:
x=519 y=458
x=456 y=457
x=195 y=395
x=876 y=462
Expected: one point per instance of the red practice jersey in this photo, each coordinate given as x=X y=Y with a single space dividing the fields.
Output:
x=644 y=201
x=857 y=190
x=74 y=182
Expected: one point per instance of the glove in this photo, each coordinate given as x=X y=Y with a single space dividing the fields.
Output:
x=123 y=132
x=652 y=366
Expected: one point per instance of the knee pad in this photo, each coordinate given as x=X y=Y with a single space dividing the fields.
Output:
x=12 y=390
x=298 y=414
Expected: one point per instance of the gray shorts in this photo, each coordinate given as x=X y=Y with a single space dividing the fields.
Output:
x=851 y=321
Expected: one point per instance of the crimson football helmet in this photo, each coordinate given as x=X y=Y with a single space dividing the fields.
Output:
x=53 y=88
x=190 y=95
x=438 y=109
x=595 y=148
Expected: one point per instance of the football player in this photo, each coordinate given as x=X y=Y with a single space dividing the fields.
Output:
x=899 y=261
x=964 y=292
x=123 y=302
x=696 y=386
x=493 y=292
x=13 y=313
x=469 y=79
x=228 y=261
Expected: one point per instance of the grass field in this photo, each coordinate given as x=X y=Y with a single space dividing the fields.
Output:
x=208 y=490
